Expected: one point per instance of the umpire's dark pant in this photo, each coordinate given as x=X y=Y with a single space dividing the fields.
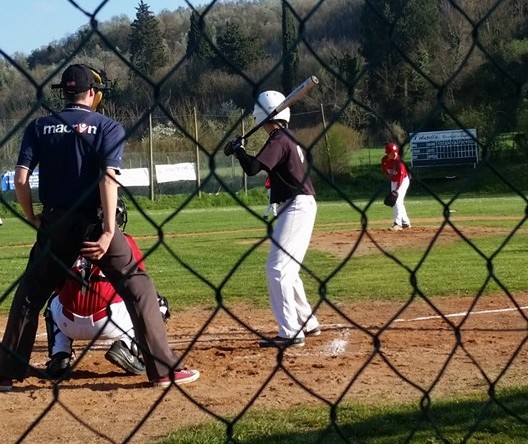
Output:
x=59 y=240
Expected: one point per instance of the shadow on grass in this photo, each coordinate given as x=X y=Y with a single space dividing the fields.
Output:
x=500 y=420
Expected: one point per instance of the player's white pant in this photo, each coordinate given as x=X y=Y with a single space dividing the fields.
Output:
x=83 y=327
x=400 y=213
x=292 y=232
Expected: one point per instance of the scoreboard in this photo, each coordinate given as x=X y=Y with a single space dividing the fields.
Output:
x=441 y=148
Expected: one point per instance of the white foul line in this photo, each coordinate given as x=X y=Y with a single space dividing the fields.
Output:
x=461 y=314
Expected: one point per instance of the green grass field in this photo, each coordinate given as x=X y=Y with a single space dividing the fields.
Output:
x=221 y=251
x=202 y=247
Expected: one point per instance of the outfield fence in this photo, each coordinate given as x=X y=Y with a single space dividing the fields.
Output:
x=467 y=21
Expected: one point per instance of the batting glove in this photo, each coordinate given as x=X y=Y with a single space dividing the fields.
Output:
x=235 y=144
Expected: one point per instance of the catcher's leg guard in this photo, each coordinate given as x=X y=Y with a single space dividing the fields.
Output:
x=52 y=329
x=59 y=364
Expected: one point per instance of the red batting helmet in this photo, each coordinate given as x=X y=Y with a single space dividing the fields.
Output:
x=391 y=148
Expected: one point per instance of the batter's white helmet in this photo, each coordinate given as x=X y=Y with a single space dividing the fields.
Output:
x=266 y=103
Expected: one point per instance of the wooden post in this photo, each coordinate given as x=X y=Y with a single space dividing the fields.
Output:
x=244 y=176
x=151 y=160
x=327 y=145
x=197 y=154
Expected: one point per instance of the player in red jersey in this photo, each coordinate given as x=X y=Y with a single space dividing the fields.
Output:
x=395 y=170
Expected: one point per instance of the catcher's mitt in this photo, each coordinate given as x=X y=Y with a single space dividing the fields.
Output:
x=390 y=199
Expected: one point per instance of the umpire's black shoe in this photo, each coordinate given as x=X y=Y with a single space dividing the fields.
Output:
x=120 y=355
x=59 y=366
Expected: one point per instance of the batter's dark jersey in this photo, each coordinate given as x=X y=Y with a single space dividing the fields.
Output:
x=283 y=158
x=72 y=148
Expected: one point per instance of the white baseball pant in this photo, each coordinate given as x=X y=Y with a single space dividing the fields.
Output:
x=84 y=327
x=291 y=238
x=400 y=212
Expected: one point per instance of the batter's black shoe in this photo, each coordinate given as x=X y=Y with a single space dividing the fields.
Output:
x=120 y=355
x=280 y=342
x=58 y=367
x=314 y=332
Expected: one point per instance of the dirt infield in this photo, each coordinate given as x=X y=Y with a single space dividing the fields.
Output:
x=367 y=352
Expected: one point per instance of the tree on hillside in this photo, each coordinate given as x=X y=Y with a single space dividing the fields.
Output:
x=397 y=37
x=147 y=51
x=198 y=39
x=348 y=68
x=290 y=53
x=238 y=49
x=400 y=38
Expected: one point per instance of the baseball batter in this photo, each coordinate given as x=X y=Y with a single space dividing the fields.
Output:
x=395 y=171
x=292 y=190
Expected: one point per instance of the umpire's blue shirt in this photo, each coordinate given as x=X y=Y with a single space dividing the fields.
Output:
x=72 y=148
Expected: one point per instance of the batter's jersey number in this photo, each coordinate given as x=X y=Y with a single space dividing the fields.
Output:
x=440 y=148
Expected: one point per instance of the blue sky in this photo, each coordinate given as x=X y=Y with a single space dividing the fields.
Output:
x=26 y=25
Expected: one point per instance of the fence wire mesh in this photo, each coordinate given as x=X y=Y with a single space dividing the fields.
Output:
x=404 y=79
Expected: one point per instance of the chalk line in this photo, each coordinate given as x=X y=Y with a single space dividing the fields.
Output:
x=461 y=314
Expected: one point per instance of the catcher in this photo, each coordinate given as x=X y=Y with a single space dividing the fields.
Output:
x=87 y=307
x=395 y=170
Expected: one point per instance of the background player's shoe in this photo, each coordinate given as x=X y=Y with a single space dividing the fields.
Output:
x=120 y=355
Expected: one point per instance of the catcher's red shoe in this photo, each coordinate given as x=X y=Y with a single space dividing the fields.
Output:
x=180 y=377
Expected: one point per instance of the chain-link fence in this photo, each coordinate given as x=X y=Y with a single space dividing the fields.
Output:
x=401 y=68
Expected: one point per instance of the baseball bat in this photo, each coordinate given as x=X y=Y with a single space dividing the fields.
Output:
x=297 y=94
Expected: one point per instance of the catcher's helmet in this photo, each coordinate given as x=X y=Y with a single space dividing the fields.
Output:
x=121 y=214
x=100 y=78
x=266 y=103
x=391 y=148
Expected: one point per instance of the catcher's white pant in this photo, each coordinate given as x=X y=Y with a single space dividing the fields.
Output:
x=292 y=232
x=83 y=327
x=400 y=213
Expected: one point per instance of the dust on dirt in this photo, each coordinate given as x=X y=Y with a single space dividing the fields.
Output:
x=368 y=352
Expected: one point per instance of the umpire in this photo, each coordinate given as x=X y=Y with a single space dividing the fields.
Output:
x=79 y=152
